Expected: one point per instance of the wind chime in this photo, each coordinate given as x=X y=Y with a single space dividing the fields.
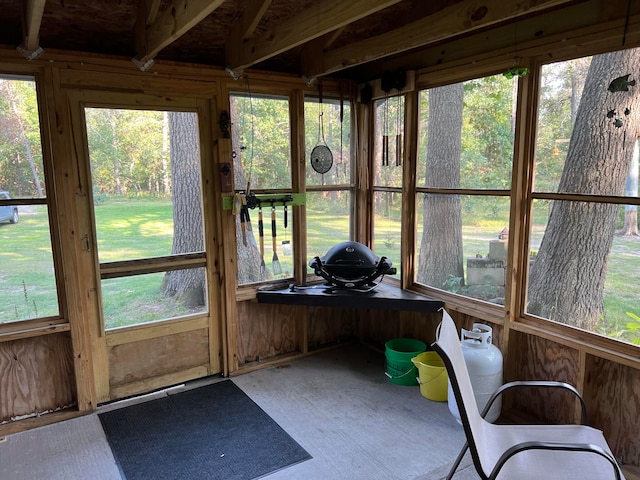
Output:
x=388 y=82
x=386 y=85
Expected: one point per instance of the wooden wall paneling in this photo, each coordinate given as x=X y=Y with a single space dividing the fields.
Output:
x=536 y=358
x=466 y=321
x=375 y=327
x=327 y=325
x=266 y=331
x=134 y=365
x=612 y=394
x=36 y=376
x=143 y=331
x=419 y=325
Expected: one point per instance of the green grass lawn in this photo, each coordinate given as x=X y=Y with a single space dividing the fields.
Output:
x=137 y=229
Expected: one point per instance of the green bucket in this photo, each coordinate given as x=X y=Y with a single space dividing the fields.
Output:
x=399 y=367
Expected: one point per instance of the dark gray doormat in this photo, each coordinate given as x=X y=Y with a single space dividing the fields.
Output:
x=211 y=432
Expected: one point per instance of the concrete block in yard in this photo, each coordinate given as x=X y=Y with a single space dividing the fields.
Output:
x=485 y=271
x=498 y=250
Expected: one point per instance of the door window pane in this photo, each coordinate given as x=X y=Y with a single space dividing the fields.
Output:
x=145 y=204
x=145 y=168
x=143 y=298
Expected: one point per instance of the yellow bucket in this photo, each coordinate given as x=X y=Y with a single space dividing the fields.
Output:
x=432 y=376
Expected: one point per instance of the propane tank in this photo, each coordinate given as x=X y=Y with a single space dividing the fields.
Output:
x=484 y=362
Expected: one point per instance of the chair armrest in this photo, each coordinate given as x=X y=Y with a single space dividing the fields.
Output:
x=572 y=447
x=536 y=383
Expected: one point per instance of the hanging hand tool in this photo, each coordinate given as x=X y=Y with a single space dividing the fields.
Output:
x=275 y=262
x=286 y=244
x=285 y=216
x=261 y=235
x=243 y=227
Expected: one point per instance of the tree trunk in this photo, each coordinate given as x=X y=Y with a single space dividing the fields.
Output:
x=188 y=285
x=566 y=282
x=166 y=178
x=441 y=245
x=630 y=227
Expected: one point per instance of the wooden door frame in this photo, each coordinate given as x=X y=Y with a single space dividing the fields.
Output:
x=209 y=324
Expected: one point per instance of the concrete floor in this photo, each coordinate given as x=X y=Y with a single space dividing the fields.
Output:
x=337 y=404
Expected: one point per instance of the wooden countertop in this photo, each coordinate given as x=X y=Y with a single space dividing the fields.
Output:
x=385 y=296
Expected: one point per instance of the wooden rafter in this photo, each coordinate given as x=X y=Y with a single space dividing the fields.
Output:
x=460 y=18
x=170 y=24
x=151 y=8
x=320 y=18
x=253 y=13
x=32 y=19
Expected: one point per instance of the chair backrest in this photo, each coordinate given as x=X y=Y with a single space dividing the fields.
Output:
x=448 y=346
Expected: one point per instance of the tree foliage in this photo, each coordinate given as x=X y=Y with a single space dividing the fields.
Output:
x=125 y=158
x=21 y=166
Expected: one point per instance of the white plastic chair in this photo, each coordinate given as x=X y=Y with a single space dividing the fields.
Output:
x=519 y=452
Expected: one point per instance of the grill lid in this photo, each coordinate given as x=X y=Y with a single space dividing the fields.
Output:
x=351 y=264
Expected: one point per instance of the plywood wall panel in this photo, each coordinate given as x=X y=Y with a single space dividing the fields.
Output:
x=330 y=325
x=267 y=330
x=375 y=327
x=612 y=393
x=36 y=376
x=154 y=357
x=535 y=358
x=419 y=325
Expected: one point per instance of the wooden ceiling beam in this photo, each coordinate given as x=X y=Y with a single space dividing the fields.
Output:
x=151 y=9
x=32 y=19
x=320 y=18
x=171 y=24
x=247 y=24
x=452 y=21
x=253 y=13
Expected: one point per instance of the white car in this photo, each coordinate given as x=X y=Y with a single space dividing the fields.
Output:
x=8 y=212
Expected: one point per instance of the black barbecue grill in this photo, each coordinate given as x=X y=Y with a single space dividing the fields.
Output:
x=351 y=265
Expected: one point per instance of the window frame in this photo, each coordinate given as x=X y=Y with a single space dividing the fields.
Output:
x=526 y=321
x=297 y=95
x=31 y=327
x=350 y=187
x=470 y=304
x=151 y=264
x=513 y=315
